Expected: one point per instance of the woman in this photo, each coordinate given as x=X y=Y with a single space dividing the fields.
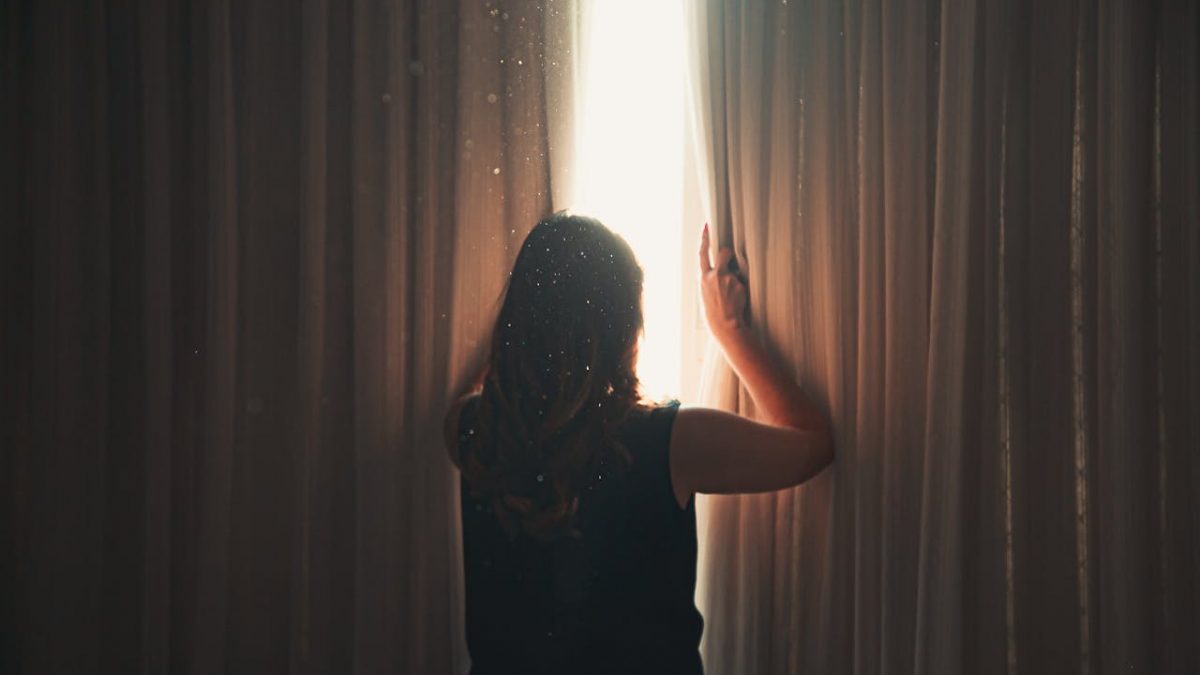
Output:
x=579 y=526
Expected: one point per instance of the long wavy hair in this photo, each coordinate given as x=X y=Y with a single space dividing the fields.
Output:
x=561 y=376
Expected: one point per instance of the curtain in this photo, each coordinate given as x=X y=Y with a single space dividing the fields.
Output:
x=971 y=229
x=249 y=250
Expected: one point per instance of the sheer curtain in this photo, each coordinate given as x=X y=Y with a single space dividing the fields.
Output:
x=972 y=229
x=249 y=250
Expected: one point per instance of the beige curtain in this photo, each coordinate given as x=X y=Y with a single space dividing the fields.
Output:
x=972 y=229
x=249 y=249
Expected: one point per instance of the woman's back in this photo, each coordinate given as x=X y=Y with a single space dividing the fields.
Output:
x=616 y=598
x=600 y=575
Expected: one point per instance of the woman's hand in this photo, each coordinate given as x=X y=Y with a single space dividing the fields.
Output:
x=721 y=290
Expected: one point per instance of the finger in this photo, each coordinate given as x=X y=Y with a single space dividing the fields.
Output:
x=705 y=264
x=723 y=258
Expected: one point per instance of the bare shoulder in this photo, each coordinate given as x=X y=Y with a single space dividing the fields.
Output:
x=717 y=452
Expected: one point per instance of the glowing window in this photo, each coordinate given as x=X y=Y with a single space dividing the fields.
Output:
x=630 y=171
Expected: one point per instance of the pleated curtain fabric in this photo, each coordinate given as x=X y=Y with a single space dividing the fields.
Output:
x=972 y=230
x=249 y=249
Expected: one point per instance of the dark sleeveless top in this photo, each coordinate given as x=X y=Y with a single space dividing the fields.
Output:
x=617 y=599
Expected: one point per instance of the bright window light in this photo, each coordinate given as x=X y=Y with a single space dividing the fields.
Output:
x=630 y=170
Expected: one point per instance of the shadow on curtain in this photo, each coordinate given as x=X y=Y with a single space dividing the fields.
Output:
x=972 y=228
x=240 y=240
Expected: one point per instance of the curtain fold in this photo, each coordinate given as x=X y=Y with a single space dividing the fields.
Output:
x=971 y=231
x=249 y=253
